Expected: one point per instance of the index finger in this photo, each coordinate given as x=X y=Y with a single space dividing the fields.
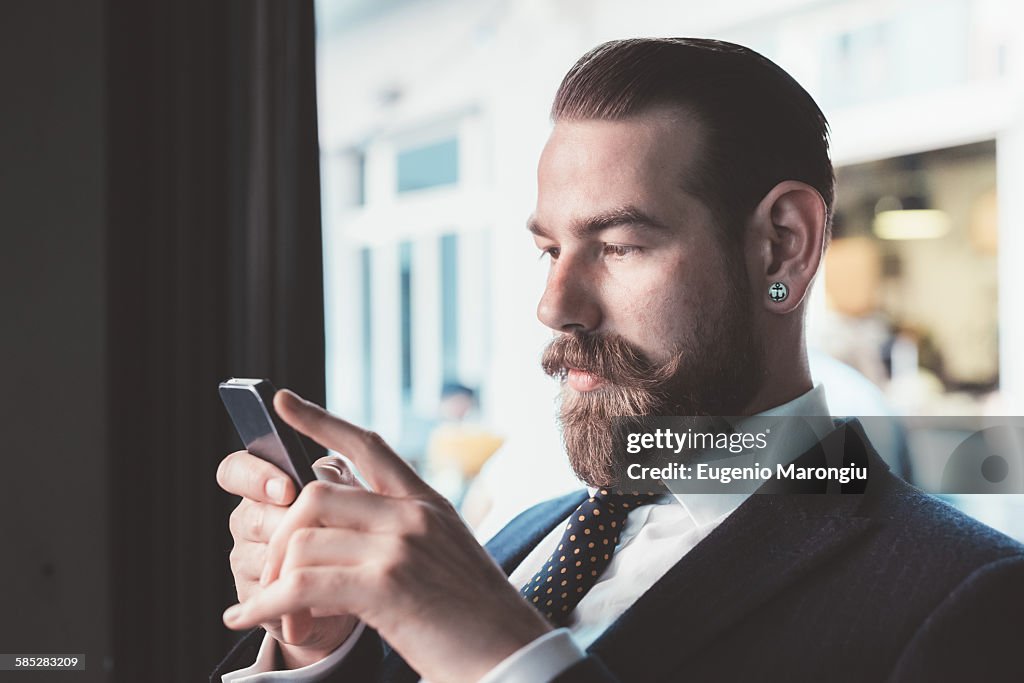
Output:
x=386 y=471
x=243 y=474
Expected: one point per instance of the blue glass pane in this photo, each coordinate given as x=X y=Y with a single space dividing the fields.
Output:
x=366 y=314
x=431 y=165
x=449 y=307
x=405 y=306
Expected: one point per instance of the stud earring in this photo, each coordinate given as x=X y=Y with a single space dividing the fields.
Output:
x=778 y=291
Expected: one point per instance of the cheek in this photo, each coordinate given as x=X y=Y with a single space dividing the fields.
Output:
x=661 y=304
x=667 y=323
x=672 y=302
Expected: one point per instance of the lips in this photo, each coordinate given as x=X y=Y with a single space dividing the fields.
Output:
x=583 y=381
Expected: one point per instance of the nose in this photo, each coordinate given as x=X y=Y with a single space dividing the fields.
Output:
x=570 y=302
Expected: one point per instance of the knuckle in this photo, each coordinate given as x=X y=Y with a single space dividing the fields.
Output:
x=302 y=540
x=394 y=567
x=317 y=487
x=418 y=519
x=316 y=490
x=242 y=563
x=387 y=575
x=373 y=439
x=257 y=521
x=398 y=560
x=299 y=581
x=235 y=520
x=234 y=559
x=444 y=505
x=381 y=583
x=399 y=555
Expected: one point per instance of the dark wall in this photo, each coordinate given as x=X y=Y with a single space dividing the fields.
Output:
x=53 y=522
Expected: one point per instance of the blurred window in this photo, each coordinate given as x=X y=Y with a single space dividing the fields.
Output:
x=911 y=50
x=405 y=306
x=431 y=165
x=359 y=178
x=449 y=254
x=366 y=320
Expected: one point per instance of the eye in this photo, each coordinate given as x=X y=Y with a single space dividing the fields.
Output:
x=620 y=250
x=551 y=252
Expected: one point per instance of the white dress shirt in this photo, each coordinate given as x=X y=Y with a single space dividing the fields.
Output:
x=653 y=539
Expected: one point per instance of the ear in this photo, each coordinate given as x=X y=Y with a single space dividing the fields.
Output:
x=787 y=237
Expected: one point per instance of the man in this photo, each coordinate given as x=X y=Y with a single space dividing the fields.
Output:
x=684 y=201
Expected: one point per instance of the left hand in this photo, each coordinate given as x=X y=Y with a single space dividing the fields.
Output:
x=399 y=557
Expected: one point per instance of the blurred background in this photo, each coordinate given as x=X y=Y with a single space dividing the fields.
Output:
x=429 y=149
x=333 y=194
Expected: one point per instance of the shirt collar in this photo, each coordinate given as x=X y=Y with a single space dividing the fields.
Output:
x=705 y=508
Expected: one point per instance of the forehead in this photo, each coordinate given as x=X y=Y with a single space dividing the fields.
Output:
x=590 y=166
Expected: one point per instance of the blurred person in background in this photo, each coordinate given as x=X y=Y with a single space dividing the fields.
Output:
x=455 y=404
x=684 y=200
x=457 y=448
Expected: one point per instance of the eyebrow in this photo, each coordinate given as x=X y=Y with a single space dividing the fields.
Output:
x=625 y=215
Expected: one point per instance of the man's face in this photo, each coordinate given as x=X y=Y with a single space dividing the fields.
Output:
x=652 y=314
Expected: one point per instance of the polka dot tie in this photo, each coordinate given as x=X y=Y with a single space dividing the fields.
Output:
x=582 y=555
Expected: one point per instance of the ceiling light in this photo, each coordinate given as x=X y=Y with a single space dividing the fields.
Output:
x=908 y=218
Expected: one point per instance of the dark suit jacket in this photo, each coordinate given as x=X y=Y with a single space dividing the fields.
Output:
x=885 y=585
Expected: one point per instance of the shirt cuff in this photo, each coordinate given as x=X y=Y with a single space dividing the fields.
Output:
x=539 y=662
x=262 y=671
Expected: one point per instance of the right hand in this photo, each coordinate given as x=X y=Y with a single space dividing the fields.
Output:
x=266 y=493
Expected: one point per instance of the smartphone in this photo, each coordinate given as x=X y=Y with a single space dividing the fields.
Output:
x=250 y=403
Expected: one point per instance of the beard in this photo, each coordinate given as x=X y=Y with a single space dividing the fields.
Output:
x=715 y=373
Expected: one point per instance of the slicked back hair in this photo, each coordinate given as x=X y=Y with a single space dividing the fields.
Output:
x=760 y=127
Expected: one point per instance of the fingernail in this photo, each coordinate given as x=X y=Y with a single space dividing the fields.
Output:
x=232 y=613
x=275 y=489
x=329 y=473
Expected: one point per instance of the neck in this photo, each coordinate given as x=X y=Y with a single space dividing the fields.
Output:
x=786 y=376
x=773 y=395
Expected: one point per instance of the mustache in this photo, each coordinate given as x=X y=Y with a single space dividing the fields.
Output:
x=609 y=357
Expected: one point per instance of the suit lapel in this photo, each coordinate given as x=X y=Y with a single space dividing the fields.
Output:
x=767 y=544
x=513 y=543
